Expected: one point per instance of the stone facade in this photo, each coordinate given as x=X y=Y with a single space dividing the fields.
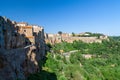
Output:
x=38 y=33
x=26 y=31
x=56 y=38
x=21 y=47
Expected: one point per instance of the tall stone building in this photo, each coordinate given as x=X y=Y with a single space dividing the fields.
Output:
x=27 y=31
x=38 y=33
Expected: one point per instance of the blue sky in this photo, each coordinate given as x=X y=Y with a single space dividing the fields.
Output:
x=101 y=16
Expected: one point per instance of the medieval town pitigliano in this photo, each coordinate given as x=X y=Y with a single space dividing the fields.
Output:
x=23 y=45
x=59 y=39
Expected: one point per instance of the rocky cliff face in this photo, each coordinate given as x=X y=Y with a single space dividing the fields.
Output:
x=18 y=63
x=18 y=55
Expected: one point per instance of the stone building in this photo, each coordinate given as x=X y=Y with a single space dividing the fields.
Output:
x=27 y=31
x=38 y=33
x=56 y=38
x=22 y=24
x=50 y=38
x=65 y=35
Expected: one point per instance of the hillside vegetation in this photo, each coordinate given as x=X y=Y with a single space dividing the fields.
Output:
x=91 y=61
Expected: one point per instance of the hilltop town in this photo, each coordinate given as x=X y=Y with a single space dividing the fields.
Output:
x=22 y=45
x=70 y=37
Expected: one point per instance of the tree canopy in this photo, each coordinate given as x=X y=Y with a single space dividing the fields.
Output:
x=92 y=61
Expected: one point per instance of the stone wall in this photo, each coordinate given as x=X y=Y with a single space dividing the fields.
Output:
x=84 y=39
x=55 y=38
x=38 y=32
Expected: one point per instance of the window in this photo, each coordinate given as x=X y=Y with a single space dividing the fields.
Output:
x=24 y=30
x=4 y=31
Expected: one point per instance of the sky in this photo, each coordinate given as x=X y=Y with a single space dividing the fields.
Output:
x=97 y=16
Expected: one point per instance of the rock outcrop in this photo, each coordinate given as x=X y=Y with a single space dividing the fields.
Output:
x=21 y=47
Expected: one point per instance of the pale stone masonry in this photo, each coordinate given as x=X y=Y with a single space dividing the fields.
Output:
x=38 y=33
x=26 y=30
x=56 y=38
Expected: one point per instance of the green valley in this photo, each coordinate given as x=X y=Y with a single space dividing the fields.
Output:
x=88 y=61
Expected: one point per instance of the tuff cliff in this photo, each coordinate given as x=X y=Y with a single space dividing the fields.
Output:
x=21 y=47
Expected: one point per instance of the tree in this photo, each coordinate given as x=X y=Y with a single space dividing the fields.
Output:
x=60 y=32
x=73 y=34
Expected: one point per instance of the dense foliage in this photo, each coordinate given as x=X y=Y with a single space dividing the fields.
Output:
x=93 y=61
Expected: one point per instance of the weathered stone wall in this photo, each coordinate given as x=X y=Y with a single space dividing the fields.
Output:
x=39 y=39
x=53 y=38
x=84 y=39
x=27 y=31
